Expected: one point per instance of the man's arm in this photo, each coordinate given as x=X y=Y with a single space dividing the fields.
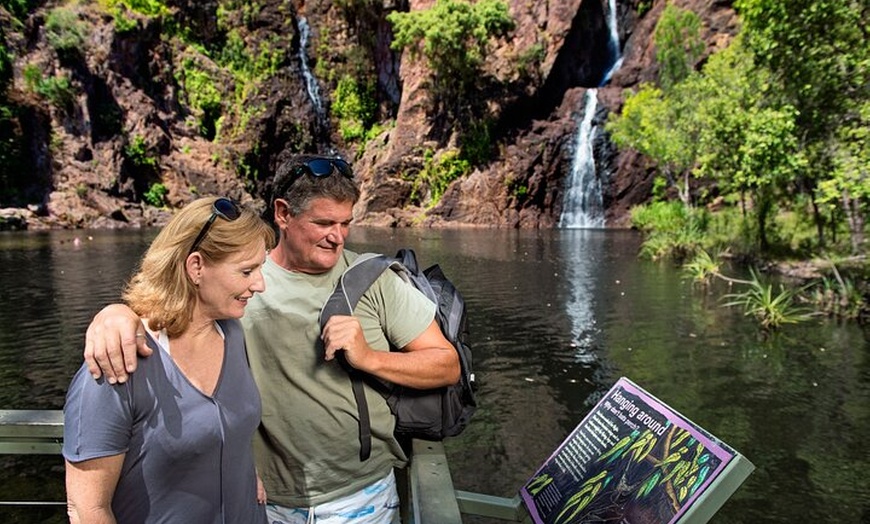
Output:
x=428 y=361
x=113 y=339
x=90 y=485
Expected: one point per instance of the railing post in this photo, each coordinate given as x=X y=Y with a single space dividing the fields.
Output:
x=433 y=500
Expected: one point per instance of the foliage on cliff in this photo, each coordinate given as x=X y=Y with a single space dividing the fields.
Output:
x=776 y=124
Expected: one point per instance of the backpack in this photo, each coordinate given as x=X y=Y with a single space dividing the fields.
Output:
x=430 y=414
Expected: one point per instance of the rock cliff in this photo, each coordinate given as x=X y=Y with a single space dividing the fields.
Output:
x=207 y=99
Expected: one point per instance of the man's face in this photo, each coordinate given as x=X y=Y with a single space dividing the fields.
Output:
x=312 y=241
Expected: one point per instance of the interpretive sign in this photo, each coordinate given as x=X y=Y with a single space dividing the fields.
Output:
x=634 y=460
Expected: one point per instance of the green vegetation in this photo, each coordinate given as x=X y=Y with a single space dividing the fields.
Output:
x=5 y=65
x=200 y=92
x=249 y=65
x=437 y=174
x=678 y=44
x=156 y=194
x=476 y=142
x=771 y=309
x=837 y=296
x=771 y=132
x=672 y=229
x=138 y=153
x=65 y=32
x=833 y=296
x=152 y=8
x=10 y=142
x=249 y=61
x=355 y=108
x=11 y=155
x=55 y=89
x=529 y=61
x=18 y=8
x=120 y=9
x=453 y=37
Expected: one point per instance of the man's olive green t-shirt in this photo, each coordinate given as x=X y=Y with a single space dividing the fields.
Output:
x=307 y=447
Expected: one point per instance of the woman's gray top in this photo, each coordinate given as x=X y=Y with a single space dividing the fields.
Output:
x=188 y=456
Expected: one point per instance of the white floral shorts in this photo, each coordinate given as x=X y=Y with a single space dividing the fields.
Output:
x=377 y=503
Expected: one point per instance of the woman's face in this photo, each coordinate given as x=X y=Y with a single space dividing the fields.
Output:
x=225 y=287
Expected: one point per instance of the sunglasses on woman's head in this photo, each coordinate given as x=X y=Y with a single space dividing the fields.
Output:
x=222 y=207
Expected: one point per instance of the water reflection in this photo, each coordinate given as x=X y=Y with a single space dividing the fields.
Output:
x=581 y=252
x=555 y=317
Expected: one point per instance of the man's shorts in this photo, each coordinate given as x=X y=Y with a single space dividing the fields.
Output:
x=377 y=503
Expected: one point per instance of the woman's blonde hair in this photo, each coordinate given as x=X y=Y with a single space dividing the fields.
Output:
x=161 y=289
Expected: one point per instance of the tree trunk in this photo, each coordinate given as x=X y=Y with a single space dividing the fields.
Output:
x=852 y=207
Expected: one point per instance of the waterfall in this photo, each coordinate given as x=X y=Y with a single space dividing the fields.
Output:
x=613 y=43
x=310 y=81
x=583 y=205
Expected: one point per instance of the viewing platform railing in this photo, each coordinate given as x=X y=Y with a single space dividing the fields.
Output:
x=426 y=487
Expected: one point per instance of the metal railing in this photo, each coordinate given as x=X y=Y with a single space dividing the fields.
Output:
x=425 y=487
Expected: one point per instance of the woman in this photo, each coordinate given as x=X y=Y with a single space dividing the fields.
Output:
x=173 y=443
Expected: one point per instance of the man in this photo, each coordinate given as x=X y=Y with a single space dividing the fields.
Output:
x=307 y=447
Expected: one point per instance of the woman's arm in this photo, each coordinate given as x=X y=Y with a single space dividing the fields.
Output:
x=90 y=485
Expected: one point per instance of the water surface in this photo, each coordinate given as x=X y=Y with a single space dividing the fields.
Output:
x=556 y=317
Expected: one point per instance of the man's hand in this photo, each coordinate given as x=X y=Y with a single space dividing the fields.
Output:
x=114 y=338
x=345 y=333
x=428 y=361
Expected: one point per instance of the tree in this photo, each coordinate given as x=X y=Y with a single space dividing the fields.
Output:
x=849 y=183
x=660 y=123
x=718 y=124
x=678 y=44
x=453 y=37
x=747 y=144
x=817 y=53
x=656 y=125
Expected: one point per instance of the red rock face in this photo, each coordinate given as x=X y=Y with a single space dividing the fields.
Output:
x=524 y=185
x=127 y=87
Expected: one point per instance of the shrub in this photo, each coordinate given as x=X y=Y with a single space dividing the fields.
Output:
x=19 y=8
x=438 y=173
x=838 y=296
x=156 y=194
x=529 y=61
x=202 y=96
x=64 y=31
x=354 y=105
x=671 y=229
x=477 y=143
x=137 y=152
x=771 y=309
x=453 y=36
x=56 y=89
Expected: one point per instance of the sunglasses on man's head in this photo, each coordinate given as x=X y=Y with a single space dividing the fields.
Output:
x=320 y=167
x=222 y=207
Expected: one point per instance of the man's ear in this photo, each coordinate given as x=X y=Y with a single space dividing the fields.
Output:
x=282 y=212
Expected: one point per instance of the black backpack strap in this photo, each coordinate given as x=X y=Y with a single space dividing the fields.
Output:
x=353 y=283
